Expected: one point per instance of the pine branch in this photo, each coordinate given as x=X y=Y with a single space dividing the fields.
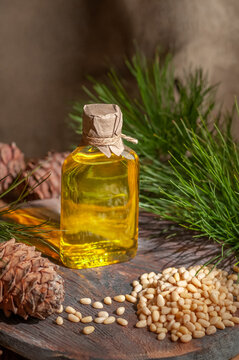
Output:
x=24 y=233
x=199 y=187
x=202 y=190
x=160 y=101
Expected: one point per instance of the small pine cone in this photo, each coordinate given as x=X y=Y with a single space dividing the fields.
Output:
x=11 y=164
x=49 y=168
x=29 y=283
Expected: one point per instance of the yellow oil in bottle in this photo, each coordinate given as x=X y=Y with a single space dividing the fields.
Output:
x=99 y=208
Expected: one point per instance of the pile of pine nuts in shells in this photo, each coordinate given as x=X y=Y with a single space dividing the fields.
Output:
x=184 y=303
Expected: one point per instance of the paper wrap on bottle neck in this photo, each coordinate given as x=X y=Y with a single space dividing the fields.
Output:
x=102 y=125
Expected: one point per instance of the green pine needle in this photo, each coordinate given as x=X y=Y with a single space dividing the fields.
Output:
x=21 y=232
x=159 y=101
x=199 y=186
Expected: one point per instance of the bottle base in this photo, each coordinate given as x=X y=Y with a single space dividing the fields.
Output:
x=80 y=262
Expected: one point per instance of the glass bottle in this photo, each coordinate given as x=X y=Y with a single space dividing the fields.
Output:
x=99 y=196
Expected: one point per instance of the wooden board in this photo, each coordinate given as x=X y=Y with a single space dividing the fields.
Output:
x=161 y=244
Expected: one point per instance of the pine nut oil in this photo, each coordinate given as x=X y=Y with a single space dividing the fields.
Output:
x=99 y=195
x=99 y=208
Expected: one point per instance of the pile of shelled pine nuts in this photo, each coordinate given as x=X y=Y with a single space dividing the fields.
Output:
x=185 y=303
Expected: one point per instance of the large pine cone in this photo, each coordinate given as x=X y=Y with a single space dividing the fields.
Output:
x=29 y=283
x=11 y=164
x=50 y=169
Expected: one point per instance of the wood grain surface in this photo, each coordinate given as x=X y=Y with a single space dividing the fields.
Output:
x=161 y=244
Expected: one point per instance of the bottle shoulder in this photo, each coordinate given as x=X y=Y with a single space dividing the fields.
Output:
x=90 y=155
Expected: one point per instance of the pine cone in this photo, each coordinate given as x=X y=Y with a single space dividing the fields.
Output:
x=11 y=164
x=49 y=166
x=29 y=283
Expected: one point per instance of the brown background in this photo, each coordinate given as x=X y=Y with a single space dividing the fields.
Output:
x=48 y=47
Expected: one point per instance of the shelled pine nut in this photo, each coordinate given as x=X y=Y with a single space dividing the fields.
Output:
x=141 y=323
x=119 y=298
x=97 y=305
x=187 y=303
x=131 y=298
x=78 y=314
x=186 y=338
x=103 y=314
x=99 y=320
x=86 y=319
x=122 y=321
x=70 y=310
x=73 y=318
x=109 y=320
x=120 y=310
x=59 y=320
x=85 y=301
x=88 y=330
x=107 y=300
x=60 y=310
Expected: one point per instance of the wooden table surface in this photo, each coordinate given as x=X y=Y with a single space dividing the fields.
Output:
x=161 y=244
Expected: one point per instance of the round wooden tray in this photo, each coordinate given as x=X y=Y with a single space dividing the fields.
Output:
x=161 y=244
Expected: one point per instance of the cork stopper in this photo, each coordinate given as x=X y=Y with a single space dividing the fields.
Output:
x=102 y=125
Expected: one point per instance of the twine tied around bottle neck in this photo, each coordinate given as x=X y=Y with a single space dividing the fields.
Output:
x=102 y=124
x=106 y=141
